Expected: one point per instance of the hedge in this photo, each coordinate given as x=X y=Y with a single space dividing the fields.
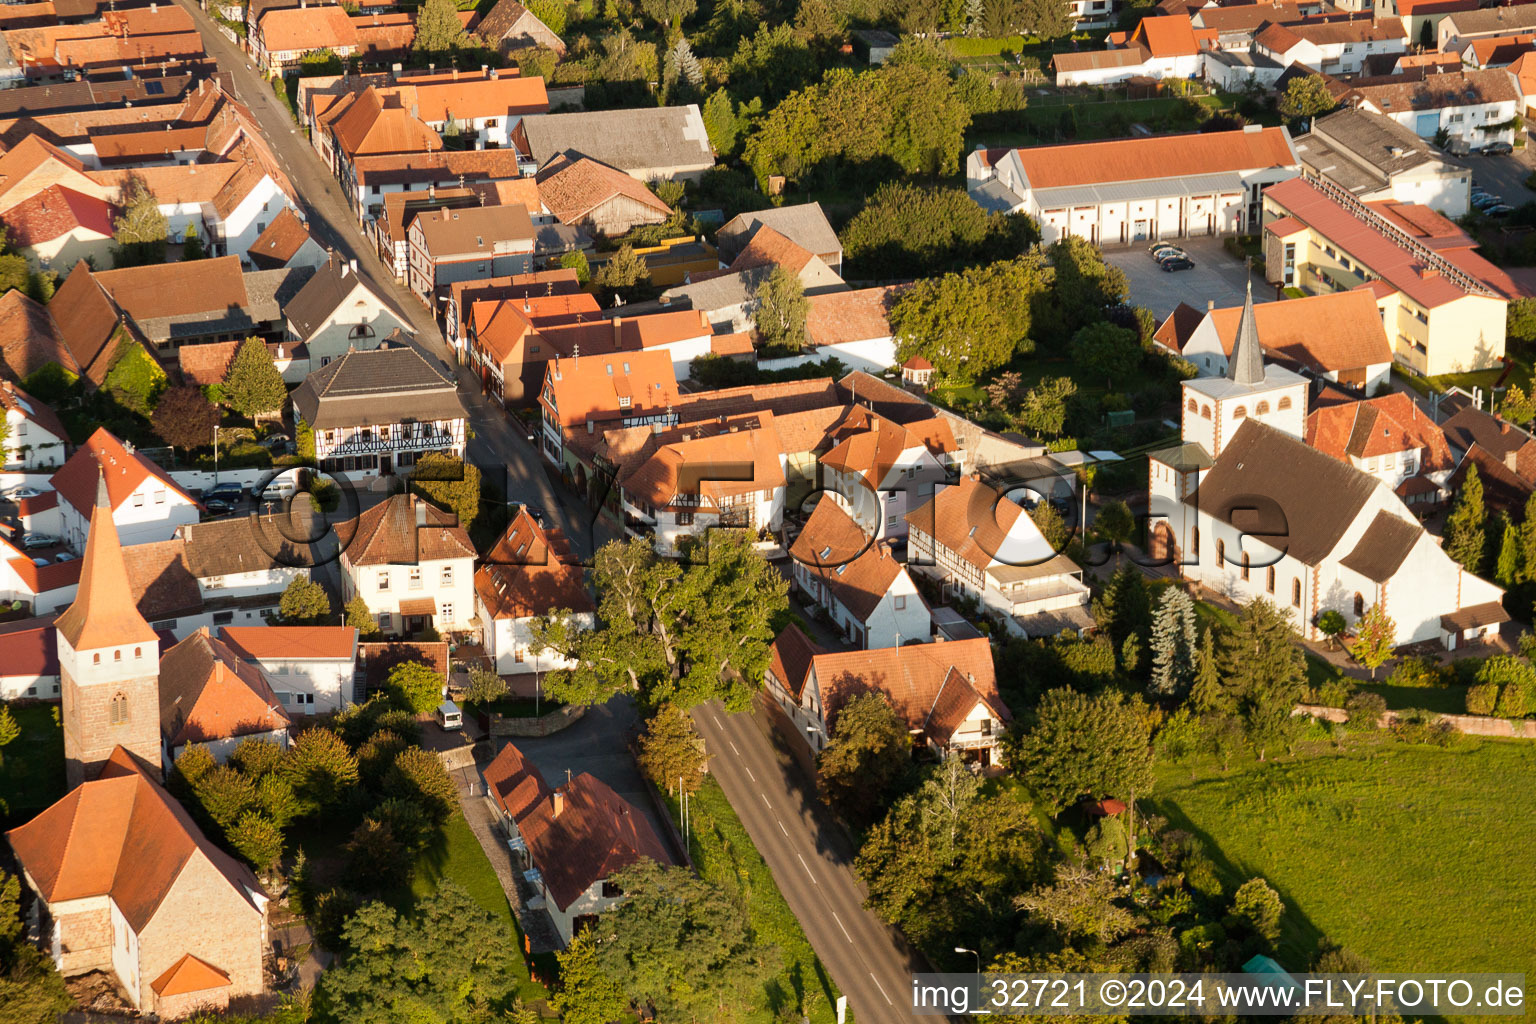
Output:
x=965 y=46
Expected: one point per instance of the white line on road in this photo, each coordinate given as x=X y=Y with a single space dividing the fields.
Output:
x=733 y=749
x=807 y=869
x=782 y=828
x=840 y=926
x=765 y=800
x=717 y=721
x=749 y=773
x=881 y=988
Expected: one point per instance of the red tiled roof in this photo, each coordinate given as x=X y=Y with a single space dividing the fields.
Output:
x=789 y=659
x=76 y=479
x=207 y=363
x=187 y=975
x=1168 y=35
x=857 y=570
x=207 y=693
x=378 y=659
x=530 y=571
x=29 y=339
x=976 y=523
x=387 y=534
x=515 y=783
x=56 y=211
x=103 y=613
x=860 y=314
x=912 y=678
x=302 y=29
x=282 y=240
x=1378 y=426
x=1328 y=333
x=590 y=386
x=13 y=399
x=572 y=189
x=296 y=643
x=1158 y=156
x=29 y=647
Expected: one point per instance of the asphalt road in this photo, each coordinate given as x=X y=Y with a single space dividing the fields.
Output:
x=812 y=863
x=497 y=446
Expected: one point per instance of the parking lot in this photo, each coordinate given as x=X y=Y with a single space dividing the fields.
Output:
x=1503 y=176
x=1216 y=277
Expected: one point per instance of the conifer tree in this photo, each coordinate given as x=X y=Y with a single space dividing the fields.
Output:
x=1466 y=527
x=1173 y=644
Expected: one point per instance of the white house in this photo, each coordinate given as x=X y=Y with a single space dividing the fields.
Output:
x=529 y=572
x=879 y=469
x=310 y=668
x=1162 y=46
x=981 y=546
x=1332 y=47
x=854 y=326
x=857 y=581
x=336 y=311
x=29 y=660
x=210 y=698
x=1374 y=157
x=1137 y=189
x=1473 y=107
x=413 y=565
x=147 y=505
x=1392 y=439
x=34 y=439
x=1245 y=507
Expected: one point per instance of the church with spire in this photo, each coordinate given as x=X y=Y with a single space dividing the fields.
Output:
x=1244 y=507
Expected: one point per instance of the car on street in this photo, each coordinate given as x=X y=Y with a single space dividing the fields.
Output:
x=215 y=507
x=1498 y=149
x=1176 y=263
x=229 y=491
x=40 y=540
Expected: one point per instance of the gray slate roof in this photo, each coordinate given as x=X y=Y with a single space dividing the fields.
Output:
x=327 y=289
x=806 y=225
x=380 y=386
x=719 y=292
x=631 y=140
x=1372 y=139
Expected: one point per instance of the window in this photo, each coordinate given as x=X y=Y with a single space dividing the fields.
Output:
x=517 y=654
x=1269 y=583
x=1205 y=411
x=383 y=580
x=1283 y=404
x=1389 y=461
x=445 y=614
x=901 y=602
x=1296 y=592
x=223 y=618
x=447 y=575
x=1262 y=409
x=1194 y=406
x=117 y=655
x=1240 y=412
x=1194 y=541
x=1221 y=553
x=96 y=658
x=1245 y=567
x=138 y=653
x=986 y=727
x=1359 y=605
x=415 y=577
x=160 y=496
x=138 y=501
x=611 y=891
x=117 y=710
x=386 y=621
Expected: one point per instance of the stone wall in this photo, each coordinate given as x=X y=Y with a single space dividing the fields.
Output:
x=1472 y=725
x=545 y=725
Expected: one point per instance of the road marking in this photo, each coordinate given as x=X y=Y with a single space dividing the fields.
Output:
x=733 y=749
x=807 y=869
x=881 y=988
x=749 y=773
x=765 y=799
x=840 y=926
x=782 y=828
x=717 y=720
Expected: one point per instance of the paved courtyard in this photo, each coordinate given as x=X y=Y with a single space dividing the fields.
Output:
x=1216 y=277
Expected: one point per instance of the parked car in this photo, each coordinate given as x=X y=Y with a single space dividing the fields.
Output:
x=40 y=561
x=1498 y=210
x=227 y=491
x=1176 y=263
x=40 y=540
x=1162 y=252
x=215 y=507
x=1484 y=201
x=1498 y=149
x=272 y=441
x=1172 y=254
x=22 y=493
x=64 y=556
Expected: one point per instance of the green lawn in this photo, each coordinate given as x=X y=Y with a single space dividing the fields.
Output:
x=724 y=854
x=32 y=772
x=1416 y=857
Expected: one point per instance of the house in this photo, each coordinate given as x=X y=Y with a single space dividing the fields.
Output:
x=646 y=143
x=980 y=546
x=375 y=662
x=510 y=26
x=391 y=228
x=805 y=224
x=29 y=659
x=1162 y=46
x=878 y=469
x=242 y=565
x=506 y=346
x=1331 y=47
x=212 y=699
x=1373 y=157
x=945 y=692
x=529 y=572
x=468 y=244
x=570 y=839
x=130 y=886
x=384 y=37
x=376 y=412
x=1443 y=306
x=853 y=326
x=1248 y=509
x=1337 y=336
x=34 y=438
x=917 y=371
x=1496 y=51
x=597 y=198
x=284 y=36
x=1504 y=454
x=368 y=179
x=286 y=242
x=1391 y=438
x=413 y=565
x=546 y=284
x=632 y=388
x=29 y=338
x=1417 y=14
x=1456 y=28
x=1235 y=25
x=58 y=227
x=175 y=304
x=336 y=311
x=1473 y=108
x=857 y=581
x=310 y=668
x=1138 y=189
x=146 y=504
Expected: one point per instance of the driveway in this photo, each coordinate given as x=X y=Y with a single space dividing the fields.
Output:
x=1503 y=176
x=1216 y=277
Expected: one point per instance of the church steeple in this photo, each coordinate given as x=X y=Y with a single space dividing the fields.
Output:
x=104 y=613
x=1247 y=363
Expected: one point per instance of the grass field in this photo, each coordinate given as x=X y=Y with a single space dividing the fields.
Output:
x=32 y=772
x=1416 y=857
x=725 y=855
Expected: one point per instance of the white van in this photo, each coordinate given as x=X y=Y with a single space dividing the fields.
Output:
x=282 y=487
x=449 y=716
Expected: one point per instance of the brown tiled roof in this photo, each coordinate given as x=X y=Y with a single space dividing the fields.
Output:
x=206 y=363
x=1175 y=331
x=572 y=188
x=251 y=543
x=162 y=585
x=466 y=95
x=1462 y=88
x=1378 y=426
x=371 y=128
x=474 y=229
x=681 y=465
x=121 y=835
x=1166 y=36
x=515 y=783
x=1503 y=487
x=76 y=479
x=1326 y=333
x=111 y=50
x=789 y=659
x=29 y=339
x=416 y=167
x=595 y=835
x=973 y=521
x=1493 y=434
x=871 y=446
x=173 y=289
x=860 y=314
x=387 y=534
x=208 y=693
x=1383 y=548
x=377 y=660
x=1087 y=163
x=178 y=183
x=769 y=248
x=857 y=570
x=912 y=679
x=322 y=27
x=301 y=643
x=381 y=34
x=530 y=571
x=87 y=322
x=103 y=613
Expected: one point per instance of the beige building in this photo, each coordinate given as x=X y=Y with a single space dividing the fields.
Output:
x=412 y=564
x=1443 y=305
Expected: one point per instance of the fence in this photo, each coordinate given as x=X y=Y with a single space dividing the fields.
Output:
x=1472 y=725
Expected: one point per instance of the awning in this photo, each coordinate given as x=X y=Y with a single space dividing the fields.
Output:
x=419 y=606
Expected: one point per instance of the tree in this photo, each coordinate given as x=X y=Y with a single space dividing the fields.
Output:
x=1173 y=644
x=1116 y=523
x=1507 y=569
x=450 y=483
x=1081 y=904
x=969 y=323
x=1259 y=907
x=1107 y=351
x=304 y=603
x=1306 y=96
x=781 y=309
x=680 y=941
x=1044 y=408
x=1099 y=746
x=1083 y=287
x=671 y=754
x=1465 y=527
x=914 y=230
x=31 y=991
x=1004 y=389
x=192 y=247
x=1520 y=321
x=252 y=385
x=1482 y=698
x=258 y=839
x=321 y=770
x=551 y=12
x=1207 y=694
x=135 y=379
x=360 y=618
x=1517 y=406
x=1124 y=608
x=184 y=418
x=438 y=28
x=869 y=754
x=587 y=994
x=418 y=775
x=1375 y=638
x=485 y=687
x=303 y=437
x=683 y=66
x=669 y=14
x=416 y=687
x=1263 y=672
x=449 y=962
x=256 y=758
x=577 y=261
x=9 y=730
x=1051 y=525
x=623 y=271
x=688 y=631
x=1332 y=625
x=140 y=230
x=224 y=794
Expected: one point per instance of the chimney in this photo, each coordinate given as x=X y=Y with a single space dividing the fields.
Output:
x=455 y=72
x=557 y=803
x=202 y=631
x=589 y=425
x=1509 y=460
x=485 y=71
x=495 y=74
x=1210 y=304
x=421 y=512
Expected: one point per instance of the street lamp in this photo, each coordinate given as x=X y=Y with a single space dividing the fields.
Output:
x=962 y=949
x=215 y=453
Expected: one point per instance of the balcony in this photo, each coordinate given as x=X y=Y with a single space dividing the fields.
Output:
x=972 y=741
x=363 y=444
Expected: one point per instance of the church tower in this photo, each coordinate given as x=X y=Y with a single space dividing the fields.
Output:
x=109 y=659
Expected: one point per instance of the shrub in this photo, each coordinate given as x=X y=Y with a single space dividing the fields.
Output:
x=256 y=758
x=1481 y=698
x=1199 y=942
x=1419 y=726
x=966 y=46
x=1259 y=906
x=1333 y=692
x=1365 y=710
x=414 y=687
x=418 y=776
x=1417 y=671
x=1515 y=700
